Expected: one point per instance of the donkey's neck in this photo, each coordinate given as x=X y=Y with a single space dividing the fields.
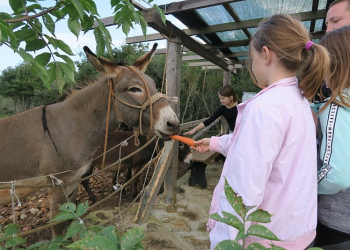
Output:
x=81 y=118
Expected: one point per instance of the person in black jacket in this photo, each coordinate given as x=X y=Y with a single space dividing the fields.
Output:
x=228 y=110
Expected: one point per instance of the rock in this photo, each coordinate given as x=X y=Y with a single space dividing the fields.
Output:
x=34 y=211
x=25 y=211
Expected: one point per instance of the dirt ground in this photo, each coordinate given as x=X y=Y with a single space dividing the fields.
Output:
x=34 y=211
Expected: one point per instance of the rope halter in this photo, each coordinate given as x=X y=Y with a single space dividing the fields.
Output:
x=148 y=102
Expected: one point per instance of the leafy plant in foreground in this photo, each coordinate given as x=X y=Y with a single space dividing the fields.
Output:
x=259 y=215
x=95 y=237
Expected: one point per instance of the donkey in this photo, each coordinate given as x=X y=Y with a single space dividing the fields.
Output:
x=57 y=142
x=132 y=164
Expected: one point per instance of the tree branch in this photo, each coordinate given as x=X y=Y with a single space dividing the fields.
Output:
x=26 y=17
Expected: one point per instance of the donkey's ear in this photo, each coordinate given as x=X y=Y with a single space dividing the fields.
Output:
x=105 y=66
x=142 y=63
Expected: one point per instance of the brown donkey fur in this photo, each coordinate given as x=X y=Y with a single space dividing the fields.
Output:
x=64 y=136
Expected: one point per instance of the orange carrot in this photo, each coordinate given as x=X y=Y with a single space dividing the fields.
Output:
x=188 y=141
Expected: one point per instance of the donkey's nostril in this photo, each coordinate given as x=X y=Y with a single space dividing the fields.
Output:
x=173 y=125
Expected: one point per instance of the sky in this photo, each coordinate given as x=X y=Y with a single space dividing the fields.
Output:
x=11 y=59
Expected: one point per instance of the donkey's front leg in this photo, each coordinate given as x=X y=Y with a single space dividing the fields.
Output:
x=57 y=198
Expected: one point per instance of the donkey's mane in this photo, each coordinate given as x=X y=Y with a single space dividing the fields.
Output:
x=80 y=86
x=76 y=88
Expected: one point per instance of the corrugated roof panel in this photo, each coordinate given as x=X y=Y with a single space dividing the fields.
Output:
x=252 y=9
x=215 y=15
x=231 y=35
x=318 y=25
x=239 y=48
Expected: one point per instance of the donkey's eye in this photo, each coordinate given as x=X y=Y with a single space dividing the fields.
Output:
x=135 y=89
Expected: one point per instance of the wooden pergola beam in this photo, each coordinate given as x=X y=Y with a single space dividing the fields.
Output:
x=153 y=19
x=148 y=38
x=164 y=51
x=314 y=8
x=193 y=64
x=178 y=7
x=236 y=66
x=235 y=17
x=190 y=58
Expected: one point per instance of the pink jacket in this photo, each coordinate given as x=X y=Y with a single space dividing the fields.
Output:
x=271 y=163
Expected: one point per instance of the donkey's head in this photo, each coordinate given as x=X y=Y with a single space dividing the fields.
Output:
x=133 y=91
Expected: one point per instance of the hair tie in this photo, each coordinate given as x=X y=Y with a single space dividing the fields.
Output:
x=309 y=44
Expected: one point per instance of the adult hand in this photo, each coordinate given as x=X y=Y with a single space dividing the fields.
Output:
x=202 y=145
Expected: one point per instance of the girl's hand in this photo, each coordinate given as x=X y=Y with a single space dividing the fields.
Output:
x=202 y=145
x=191 y=132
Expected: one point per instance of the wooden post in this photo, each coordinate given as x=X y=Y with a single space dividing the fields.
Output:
x=173 y=77
x=226 y=81
x=151 y=192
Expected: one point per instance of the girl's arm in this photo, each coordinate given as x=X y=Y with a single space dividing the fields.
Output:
x=195 y=129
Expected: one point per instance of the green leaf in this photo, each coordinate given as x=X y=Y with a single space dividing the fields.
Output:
x=40 y=70
x=87 y=23
x=110 y=234
x=256 y=246
x=228 y=219
x=68 y=207
x=115 y=2
x=38 y=26
x=90 y=5
x=74 y=26
x=262 y=232
x=66 y=70
x=118 y=7
x=73 y=229
x=228 y=245
x=26 y=56
x=56 y=43
x=274 y=247
x=126 y=28
x=235 y=201
x=43 y=59
x=26 y=34
x=5 y=16
x=16 y=5
x=14 y=241
x=82 y=208
x=3 y=31
x=10 y=230
x=241 y=235
x=67 y=59
x=79 y=7
x=131 y=238
x=49 y=24
x=59 y=14
x=13 y=39
x=160 y=12
x=100 y=44
x=63 y=216
x=35 y=45
x=52 y=72
x=36 y=245
x=30 y=8
x=94 y=242
x=259 y=216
